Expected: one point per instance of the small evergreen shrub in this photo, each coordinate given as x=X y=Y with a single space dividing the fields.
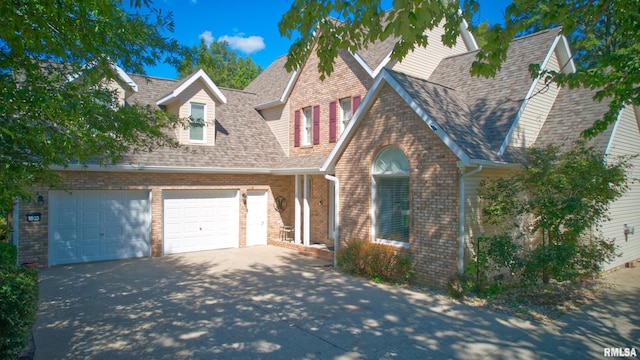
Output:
x=19 y=294
x=381 y=263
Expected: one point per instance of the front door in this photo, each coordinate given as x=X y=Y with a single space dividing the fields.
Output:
x=256 y=217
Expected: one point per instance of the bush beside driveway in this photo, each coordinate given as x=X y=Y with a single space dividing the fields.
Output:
x=269 y=302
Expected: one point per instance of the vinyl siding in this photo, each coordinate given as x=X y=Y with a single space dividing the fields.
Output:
x=120 y=91
x=536 y=110
x=422 y=61
x=473 y=205
x=196 y=93
x=626 y=210
x=278 y=120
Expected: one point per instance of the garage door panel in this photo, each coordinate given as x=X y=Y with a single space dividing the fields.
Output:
x=98 y=225
x=200 y=220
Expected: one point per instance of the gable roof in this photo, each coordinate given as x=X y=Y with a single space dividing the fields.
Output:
x=188 y=81
x=273 y=84
x=471 y=115
x=573 y=112
x=150 y=89
x=495 y=103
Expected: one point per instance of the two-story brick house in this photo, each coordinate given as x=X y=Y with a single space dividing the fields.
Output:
x=381 y=150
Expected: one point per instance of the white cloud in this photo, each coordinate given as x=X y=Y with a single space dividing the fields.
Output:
x=247 y=45
x=207 y=37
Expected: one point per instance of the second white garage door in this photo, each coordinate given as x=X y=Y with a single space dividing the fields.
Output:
x=196 y=220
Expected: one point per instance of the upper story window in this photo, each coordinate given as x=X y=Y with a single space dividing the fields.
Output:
x=345 y=113
x=308 y=126
x=197 y=123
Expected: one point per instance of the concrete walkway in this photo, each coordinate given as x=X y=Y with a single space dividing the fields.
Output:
x=268 y=302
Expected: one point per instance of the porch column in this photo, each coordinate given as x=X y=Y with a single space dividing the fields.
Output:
x=305 y=212
x=296 y=210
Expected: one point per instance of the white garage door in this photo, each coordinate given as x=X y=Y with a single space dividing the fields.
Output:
x=98 y=225
x=196 y=220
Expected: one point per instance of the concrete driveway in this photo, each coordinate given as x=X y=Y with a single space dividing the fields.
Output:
x=269 y=302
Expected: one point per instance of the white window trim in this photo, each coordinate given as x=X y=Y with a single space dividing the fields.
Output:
x=374 y=210
x=307 y=132
x=204 y=126
x=374 y=207
x=343 y=125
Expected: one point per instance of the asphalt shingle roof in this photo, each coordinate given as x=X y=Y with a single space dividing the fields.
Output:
x=243 y=138
x=493 y=103
x=271 y=83
x=573 y=112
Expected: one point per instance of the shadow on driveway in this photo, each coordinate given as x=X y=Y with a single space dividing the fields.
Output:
x=268 y=302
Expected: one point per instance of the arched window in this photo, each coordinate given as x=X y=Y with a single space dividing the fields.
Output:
x=391 y=214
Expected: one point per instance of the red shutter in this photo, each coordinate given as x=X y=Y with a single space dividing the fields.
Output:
x=356 y=103
x=296 y=129
x=316 y=125
x=333 y=106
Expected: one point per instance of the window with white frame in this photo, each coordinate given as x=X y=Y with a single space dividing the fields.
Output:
x=391 y=211
x=308 y=126
x=197 y=121
x=345 y=113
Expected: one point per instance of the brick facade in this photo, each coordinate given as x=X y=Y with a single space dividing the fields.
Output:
x=433 y=241
x=347 y=80
x=33 y=236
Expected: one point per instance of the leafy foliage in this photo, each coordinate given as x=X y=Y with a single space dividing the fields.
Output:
x=375 y=261
x=566 y=195
x=603 y=33
x=56 y=105
x=18 y=302
x=221 y=64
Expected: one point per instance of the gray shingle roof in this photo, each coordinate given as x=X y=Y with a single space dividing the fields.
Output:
x=376 y=52
x=243 y=138
x=302 y=162
x=150 y=89
x=574 y=111
x=271 y=83
x=493 y=103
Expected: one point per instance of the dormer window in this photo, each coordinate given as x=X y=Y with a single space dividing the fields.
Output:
x=197 y=123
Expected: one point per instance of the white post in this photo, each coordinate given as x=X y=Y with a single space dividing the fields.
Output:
x=296 y=229
x=306 y=212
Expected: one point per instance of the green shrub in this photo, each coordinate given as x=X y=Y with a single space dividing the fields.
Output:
x=8 y=256
x=375 y=261
x=18 y=303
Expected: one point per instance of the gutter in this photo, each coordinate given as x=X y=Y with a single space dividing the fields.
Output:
x=336 y=221
x=461 y=215
x=163 y=169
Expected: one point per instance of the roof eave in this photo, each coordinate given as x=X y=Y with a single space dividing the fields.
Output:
x=161 y=169
x=200 y=74
x=367 y=102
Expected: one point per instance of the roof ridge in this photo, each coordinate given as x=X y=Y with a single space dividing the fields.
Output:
x=152 y=77
x=524 y=37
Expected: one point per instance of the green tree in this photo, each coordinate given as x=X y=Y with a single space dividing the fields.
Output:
x=604 y=34
x=565 y=195
x=221 y=64
x=56 y=61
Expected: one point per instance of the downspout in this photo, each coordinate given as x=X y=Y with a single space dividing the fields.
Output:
x=336 y=214
x=461 y=214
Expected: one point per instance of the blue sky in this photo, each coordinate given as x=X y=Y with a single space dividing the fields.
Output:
x=250 y=27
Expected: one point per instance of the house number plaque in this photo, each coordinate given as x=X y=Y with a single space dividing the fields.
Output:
x=34 y=217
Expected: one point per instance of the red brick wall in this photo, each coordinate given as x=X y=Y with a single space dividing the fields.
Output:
x=433 y=186
x=33 y=237
x=347 y=80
